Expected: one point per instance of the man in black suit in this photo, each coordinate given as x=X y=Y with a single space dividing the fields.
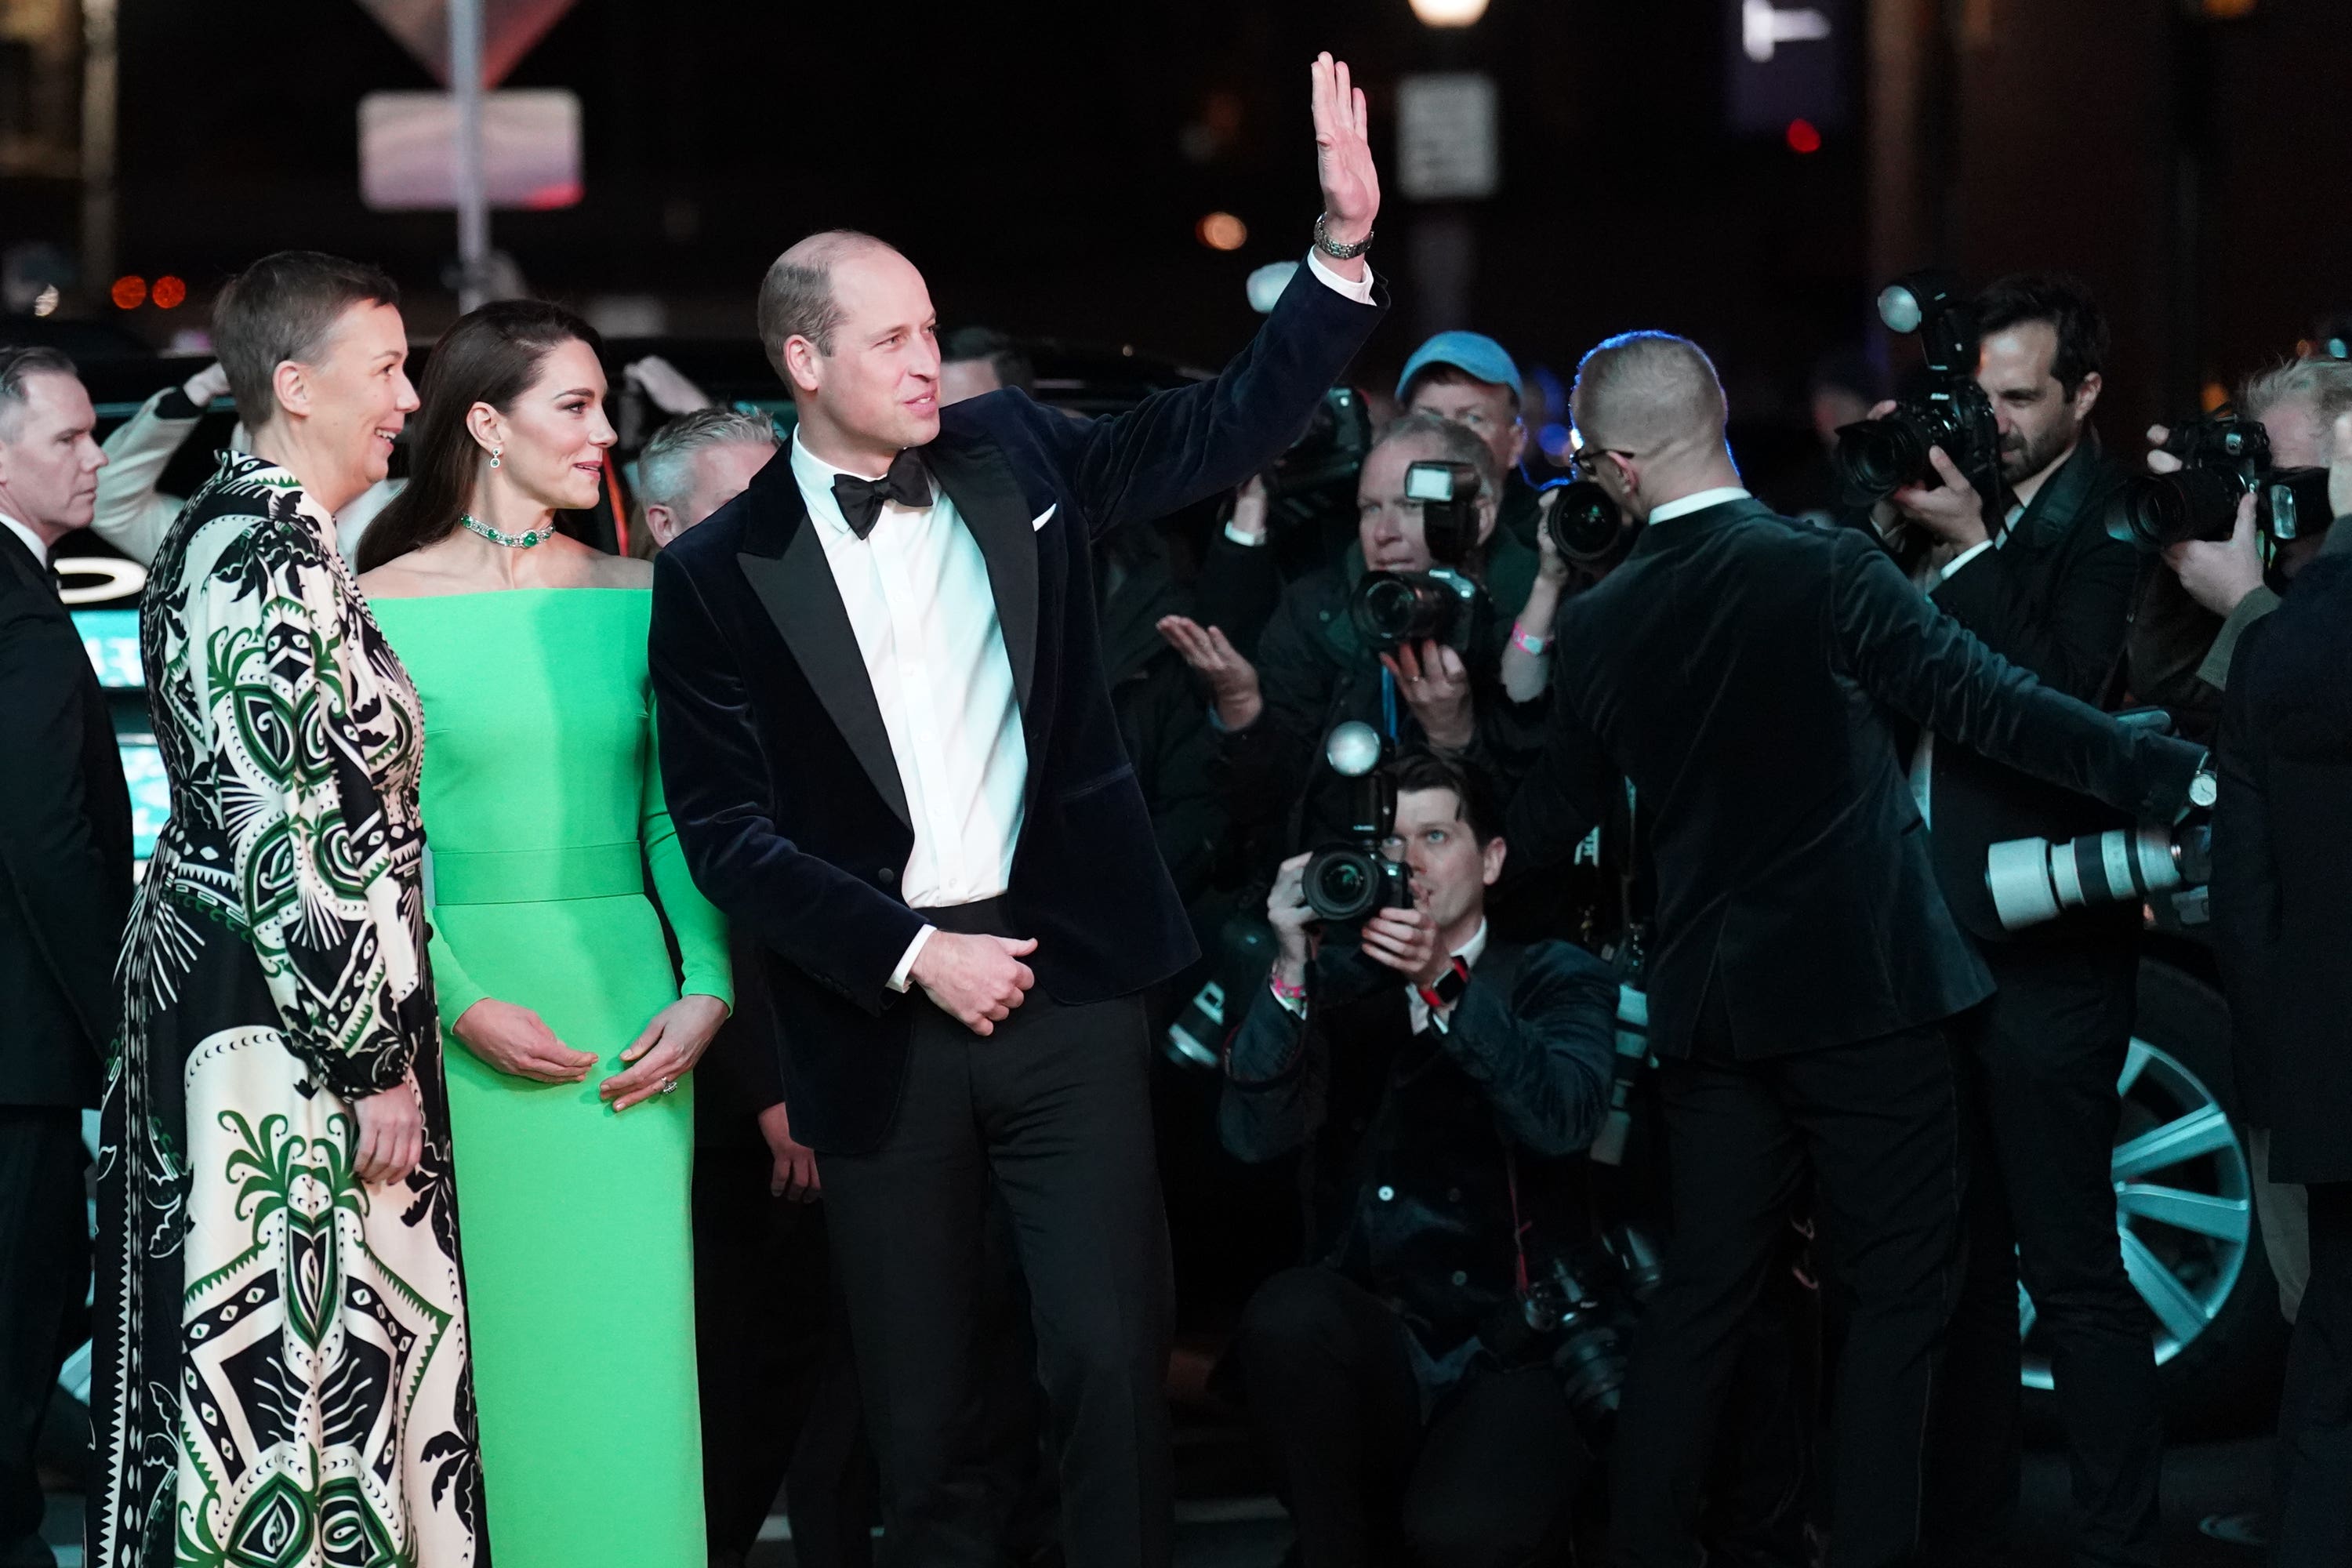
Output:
x=893 y=760
x=2042 y=585
x=65 y=890
x=1738 y=670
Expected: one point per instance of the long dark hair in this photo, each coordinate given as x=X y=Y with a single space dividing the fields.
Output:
x=490 y=356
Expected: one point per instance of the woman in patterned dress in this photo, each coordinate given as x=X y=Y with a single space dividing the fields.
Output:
x=283 y=1371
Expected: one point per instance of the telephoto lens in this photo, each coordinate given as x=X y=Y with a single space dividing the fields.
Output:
x=2032 y=879
x=1876 y=457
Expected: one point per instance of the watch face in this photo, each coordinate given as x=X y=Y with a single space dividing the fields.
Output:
x=2204 y=789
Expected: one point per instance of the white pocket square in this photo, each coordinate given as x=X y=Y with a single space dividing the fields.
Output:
x=1043 y=516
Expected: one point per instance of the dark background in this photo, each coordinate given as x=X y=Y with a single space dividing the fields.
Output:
x=1033 y=160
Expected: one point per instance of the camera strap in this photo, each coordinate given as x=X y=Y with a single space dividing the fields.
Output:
x=1387 y=703
x=1518 y=1227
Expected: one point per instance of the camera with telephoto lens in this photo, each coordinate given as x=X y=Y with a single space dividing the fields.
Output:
x=1349 y=882
x=2033 y=879
x=1575 y=1316
x=1444 y=604
x=1318 y=473
x=1586 y=527
x=2223 y=459
x=1876 y=457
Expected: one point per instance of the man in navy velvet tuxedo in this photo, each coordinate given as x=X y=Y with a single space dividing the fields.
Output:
x=890 y=750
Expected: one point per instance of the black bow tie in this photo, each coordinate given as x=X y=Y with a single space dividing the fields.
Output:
x=908 y=483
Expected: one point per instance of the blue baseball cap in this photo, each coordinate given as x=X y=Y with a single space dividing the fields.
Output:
x=1474 y=354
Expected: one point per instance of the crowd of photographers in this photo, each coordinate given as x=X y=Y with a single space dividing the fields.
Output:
x=1441 y=1042
x=1409 y=1118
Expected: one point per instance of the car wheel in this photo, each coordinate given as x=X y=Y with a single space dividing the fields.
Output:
x=2184 y=1185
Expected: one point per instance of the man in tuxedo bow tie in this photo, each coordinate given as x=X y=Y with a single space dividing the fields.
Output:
x=890 y=752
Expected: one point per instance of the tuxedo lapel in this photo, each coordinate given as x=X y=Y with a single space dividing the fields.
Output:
x=980 y=482
x=783 y=560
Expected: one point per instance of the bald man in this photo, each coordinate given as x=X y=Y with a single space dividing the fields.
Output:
x=1744 y=672
x=889 y=748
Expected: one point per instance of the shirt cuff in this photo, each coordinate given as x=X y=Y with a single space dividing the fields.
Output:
x=898 y=980
x=1295 y=1005
x=1359 y=289
x=1963 y=559
x=1246 y=541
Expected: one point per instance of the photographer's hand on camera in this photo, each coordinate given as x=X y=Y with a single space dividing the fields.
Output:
x=1406 y=940
x=1232 y=679
x=1951 y=512
x=2219 y=573
x=1293 y=919
x=1435 y=684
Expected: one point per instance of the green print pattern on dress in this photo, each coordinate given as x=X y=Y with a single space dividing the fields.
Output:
x=283 y=1369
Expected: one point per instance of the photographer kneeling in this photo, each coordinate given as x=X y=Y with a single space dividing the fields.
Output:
x=1438 y=1090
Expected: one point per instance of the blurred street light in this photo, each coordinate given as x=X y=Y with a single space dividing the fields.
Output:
x=1449 y=13
x=1222 y=231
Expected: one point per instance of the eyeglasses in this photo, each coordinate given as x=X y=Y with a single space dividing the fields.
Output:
x=1586 y=461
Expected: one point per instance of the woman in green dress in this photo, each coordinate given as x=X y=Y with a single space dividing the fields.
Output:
x=567 y=1084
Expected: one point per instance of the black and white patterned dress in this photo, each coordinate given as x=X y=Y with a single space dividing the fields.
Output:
x=282 y=1372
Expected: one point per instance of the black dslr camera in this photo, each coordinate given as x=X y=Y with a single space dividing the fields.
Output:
x=1443 y=604
x=1318 y=473
x=2222 y=459
x=1578 y=1318
x=1876 y=457
x=1587 y=528
x=1349 y=882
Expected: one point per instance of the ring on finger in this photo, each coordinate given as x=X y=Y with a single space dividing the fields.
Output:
x=668 y=1085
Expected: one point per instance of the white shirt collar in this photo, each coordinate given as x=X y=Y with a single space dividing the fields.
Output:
x=1698 y=501
x=1472 y=951
x=31 y=540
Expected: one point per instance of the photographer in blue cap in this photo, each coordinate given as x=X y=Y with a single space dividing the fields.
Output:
x=1467 y=377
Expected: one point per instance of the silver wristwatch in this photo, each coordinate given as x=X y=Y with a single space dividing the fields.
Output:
x=1332 y=248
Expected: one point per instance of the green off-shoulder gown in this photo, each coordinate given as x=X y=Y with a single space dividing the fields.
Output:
x=542 y=804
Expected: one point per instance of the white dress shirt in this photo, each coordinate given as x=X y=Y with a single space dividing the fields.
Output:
x=920 y=602
x=32 y=542
x=924 y=614
x=1698 y=500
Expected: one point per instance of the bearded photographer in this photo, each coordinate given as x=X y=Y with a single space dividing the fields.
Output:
x=2043 y=585
x=1747 y=675
x=1316 y=669
x=1437 y=1091
x=2281 y=895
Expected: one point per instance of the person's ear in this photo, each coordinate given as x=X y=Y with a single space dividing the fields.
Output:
x=2086 y=395
x=487 y=430
x=800 y=358
x=662 y=523
x=1518 y=440
x=1489 y=511
x=1496 y=851
x=289 y=384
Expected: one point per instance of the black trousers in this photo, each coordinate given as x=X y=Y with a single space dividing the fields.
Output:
x=44 y=1279
x=1054 y=1107
x=2315 y=1438
x=1490 y=1481
x=1875 y=1125
x=2039 y=1062
x=779 y=1386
